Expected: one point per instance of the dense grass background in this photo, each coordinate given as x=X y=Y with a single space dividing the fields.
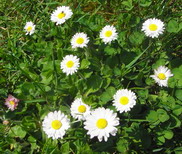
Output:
x=30 y=70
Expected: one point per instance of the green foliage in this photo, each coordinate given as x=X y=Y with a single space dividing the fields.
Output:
x=30 y=70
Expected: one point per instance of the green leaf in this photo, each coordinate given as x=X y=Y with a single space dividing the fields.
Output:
x=108 y=94
x=117 y=71
x=94 y=83
x=106 y=70
x=177 y=110
x=110 y=51
x=145 y=3
x=168 y=134
x=65 y=148
x=178 y=94
x=29 y=123
x=174 y=121
x=17 y=131
x=152 y=116
x=143 y=93
x=84 y=64
x=136 y=38
x=122 y=145
x=172 y=26
x=159 y=62
x=106 y=82
x=162 y=115
x=178 y=150
x=161 y=139
x=128 y=4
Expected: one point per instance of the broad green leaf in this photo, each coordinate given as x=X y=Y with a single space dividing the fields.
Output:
x=17 y=131
x=106 y=70
x=177 y=110
x=110 y=51
x=84 y=64
x=94 y=83
x=65 y=148
x=122 y=145
x=159 y=62
x=136 y=38
x=162 y=115
x=108 y=94
x=161 y=139
x=172 y=26
x=117 y=71
x=168 y=134
x=178 y=94
x=152 y=116
x=174 y=121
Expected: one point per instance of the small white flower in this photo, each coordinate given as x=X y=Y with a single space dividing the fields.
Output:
x=108 y=34
x=55 y=124
x=153 y=27
x=101 y=123
x=70 y=64
x=124 y=100
x=79 y=110
x=61 y=14
x=161 y=75
x=79 y=40
x=29 y=28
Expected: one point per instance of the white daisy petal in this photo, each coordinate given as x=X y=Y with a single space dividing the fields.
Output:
x=61 y=14
x=108 y=34
x=161 y=76
x=79 y=110
x=55 y=124
x=124 y=100
x=100 y=125
x=29 y=28
x=153 y=27
x=70 y=64
x=79 y=40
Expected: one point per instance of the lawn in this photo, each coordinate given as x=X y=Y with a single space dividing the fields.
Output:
x=90 y=77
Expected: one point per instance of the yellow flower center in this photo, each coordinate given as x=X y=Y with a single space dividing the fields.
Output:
x=70 y=64
x=82 y=109
x=161 y=76
x=153 y=27
x=12 y=102
x=56 y=124
x=124 y=100
x=80 y=40
x=108 y=33
x=101 y=123
x=29 y=28
x=61 y=15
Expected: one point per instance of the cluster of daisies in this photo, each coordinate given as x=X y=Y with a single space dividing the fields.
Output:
x=70 y=63
x=100 y=122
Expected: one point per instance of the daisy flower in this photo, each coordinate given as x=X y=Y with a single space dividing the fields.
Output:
x=61 y=14
x=55 y=124
x=161 y=76
x=153 y=27
x=79 y=110
x=79 y=40
x=11 y=102
x=101 y=123
x=124 y=100
x=29 y=28
x=108 y=34
x=70 y=64
x=5 y=122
